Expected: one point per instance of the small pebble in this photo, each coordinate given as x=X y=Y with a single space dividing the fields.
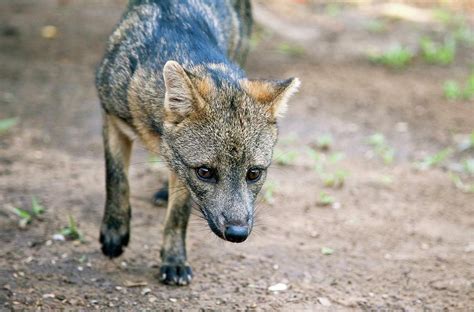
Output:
x=324 y=301
x=49 y=32
x=278 y=287
x=146 y=291
x=59 y=237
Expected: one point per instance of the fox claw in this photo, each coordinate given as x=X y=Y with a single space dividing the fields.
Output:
x=113 y=240
x=175 y=274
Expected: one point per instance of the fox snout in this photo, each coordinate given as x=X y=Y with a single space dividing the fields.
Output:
x=236 y=233
x=235 y=230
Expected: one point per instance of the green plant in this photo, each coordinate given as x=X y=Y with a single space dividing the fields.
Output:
x=6 y=124
x=381 y=147
x=397 y=57
x=324 y=142
x=336 y=179
x=325 y=199
x=318 y=159
x=451 y=90
x=434 y=160
x=460 y=184
x=336 y=157
x=36 y=207
x=436 y=53
x=468 y=166
x=25 y=217
x=71 y=231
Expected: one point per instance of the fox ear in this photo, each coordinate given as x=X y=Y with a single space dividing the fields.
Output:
x=273 y=93
x=181 y=98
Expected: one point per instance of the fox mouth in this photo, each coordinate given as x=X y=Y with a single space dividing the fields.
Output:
x=230 y=233
x=215 y=229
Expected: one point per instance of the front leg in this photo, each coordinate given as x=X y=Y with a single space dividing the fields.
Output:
x=174 y=269
x=115 y=229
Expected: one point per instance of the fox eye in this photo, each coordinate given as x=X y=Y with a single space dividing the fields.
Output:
x=254 y=174
x=206 y=174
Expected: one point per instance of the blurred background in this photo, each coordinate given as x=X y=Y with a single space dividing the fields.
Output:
x=369 y=203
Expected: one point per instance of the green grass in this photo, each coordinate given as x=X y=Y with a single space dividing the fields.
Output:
x=27 y=216
x=71 y=231
x=434 y=160
x=397 y=57
x=336 y=179
x=36 y=207
x=335 y=157
x=324 y=142
x=453 y=91
x=381 y=148
x=318 y=160
x=6 y=124
x=325 y=199
x=438 y=53
x=460 y=184
x=468 y=166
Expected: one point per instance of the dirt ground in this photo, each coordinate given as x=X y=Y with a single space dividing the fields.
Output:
x=396 y=238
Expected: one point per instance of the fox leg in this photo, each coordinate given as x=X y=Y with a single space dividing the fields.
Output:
x=174 y=269
x=115 y=229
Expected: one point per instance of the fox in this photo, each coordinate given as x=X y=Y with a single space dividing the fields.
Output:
x=172 y=78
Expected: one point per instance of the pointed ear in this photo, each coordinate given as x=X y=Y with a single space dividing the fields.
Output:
x=181 y=98
x=273 y=93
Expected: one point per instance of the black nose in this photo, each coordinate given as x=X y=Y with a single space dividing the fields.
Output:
x=236 y=234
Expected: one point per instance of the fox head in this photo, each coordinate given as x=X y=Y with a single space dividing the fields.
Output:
x=218 y=137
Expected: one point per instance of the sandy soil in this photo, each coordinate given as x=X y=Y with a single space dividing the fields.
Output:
x=402 y=239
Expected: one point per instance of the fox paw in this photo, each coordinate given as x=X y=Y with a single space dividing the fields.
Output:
x=113 y=239
x=179 y=274
x=160 y=198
